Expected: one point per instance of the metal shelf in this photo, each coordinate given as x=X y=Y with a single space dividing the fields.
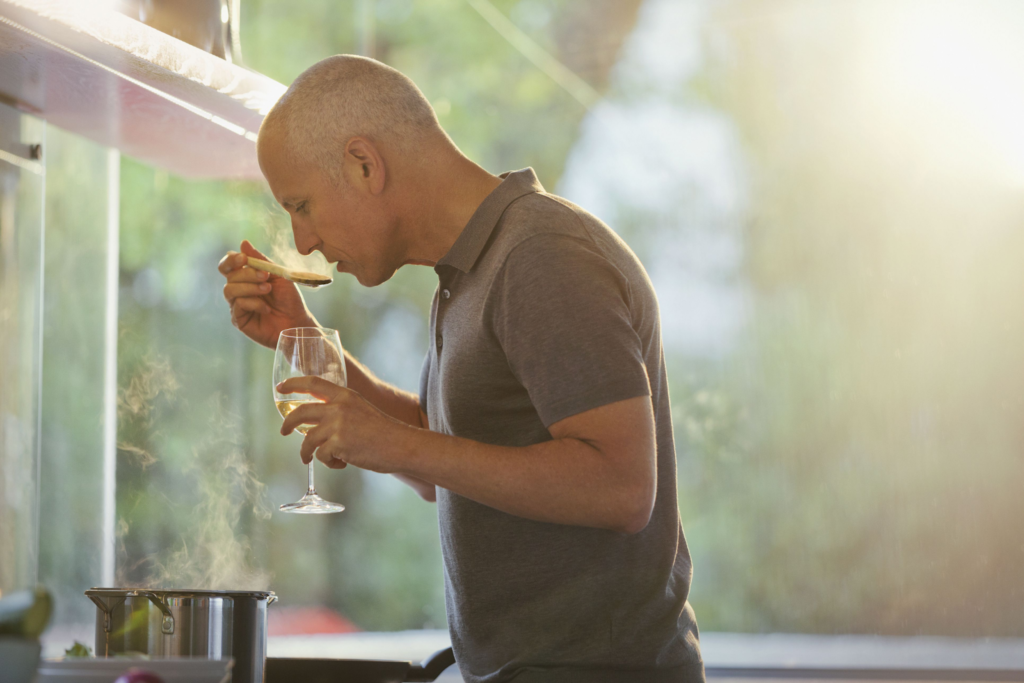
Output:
x=126 y=85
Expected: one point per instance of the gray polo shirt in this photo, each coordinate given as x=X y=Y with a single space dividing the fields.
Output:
x=542 y=313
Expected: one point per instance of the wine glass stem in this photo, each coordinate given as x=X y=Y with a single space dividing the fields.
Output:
x=311 y=491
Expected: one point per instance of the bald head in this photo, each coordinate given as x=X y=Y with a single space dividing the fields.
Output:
x=346 y=96
x=355 y=155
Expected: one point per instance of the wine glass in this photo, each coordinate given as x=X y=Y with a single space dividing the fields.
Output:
x=303 y=351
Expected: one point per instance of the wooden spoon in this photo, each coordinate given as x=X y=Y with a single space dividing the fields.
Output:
x=299 y=277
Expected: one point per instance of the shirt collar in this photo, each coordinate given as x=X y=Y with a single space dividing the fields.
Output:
x=471 y=241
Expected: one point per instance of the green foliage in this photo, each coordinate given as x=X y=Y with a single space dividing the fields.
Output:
x=78 y=650
x=500 y=110
x=868 y=487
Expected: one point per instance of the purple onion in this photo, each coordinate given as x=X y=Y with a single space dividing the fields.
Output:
x=138 y=676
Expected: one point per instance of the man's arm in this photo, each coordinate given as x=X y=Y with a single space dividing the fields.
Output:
x=392 y=401
x=598 y=471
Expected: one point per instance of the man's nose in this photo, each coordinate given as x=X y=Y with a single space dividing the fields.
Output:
x=305 y=239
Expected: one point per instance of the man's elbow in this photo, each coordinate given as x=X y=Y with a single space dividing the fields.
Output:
x=637 y=521
x=637 y=508
x=427 y=492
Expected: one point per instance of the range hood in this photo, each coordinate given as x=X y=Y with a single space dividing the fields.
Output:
x=97 y=73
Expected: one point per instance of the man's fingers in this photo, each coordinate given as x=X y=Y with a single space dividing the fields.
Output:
x=235 y=290
x=248 y=274
x=314 y=445
x=325 y=453
x=227 y=264
x=250 y=305
x=314 y=386
x=240 y=318
x=310 y=414
x=315 y=437
x=250 y=250
x=231 y=261
x=335 y=463
x=234 y=266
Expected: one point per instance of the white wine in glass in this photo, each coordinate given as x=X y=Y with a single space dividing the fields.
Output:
x=302 y=352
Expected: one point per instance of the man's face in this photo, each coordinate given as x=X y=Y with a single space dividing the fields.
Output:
x=346 y=223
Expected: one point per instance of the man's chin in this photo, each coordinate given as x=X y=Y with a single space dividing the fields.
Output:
x=373 y=279
x=364 y=278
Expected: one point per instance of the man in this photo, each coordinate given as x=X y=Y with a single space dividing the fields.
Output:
x=542 y=427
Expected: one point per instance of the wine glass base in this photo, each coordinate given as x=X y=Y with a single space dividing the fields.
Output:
x=312 y=505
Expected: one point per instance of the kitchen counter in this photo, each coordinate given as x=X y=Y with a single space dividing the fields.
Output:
x=739 y=656
x=727 y=655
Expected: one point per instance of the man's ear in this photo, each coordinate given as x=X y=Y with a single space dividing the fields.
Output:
x=364 y=166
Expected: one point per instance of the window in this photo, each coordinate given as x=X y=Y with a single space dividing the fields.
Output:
x=827 y=199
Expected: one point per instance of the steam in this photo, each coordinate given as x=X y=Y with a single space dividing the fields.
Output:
x=211 y=551
x=282 y=249
x=212 y=554
x=153 y=379
x=135 y=401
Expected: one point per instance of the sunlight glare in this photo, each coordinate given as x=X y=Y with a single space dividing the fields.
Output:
x=100 y=5
x=964 y=61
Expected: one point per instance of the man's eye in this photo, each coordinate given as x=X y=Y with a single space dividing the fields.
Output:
x=301 y=208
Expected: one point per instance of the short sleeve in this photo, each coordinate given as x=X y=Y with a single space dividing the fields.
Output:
x=424 y=379
x=562 y=316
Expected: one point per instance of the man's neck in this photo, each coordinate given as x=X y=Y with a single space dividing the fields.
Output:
x=445 y=199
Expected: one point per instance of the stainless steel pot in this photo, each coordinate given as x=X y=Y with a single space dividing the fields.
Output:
x=185 y=623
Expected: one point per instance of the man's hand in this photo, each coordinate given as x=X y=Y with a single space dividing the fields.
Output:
x=261 y=304
x=346 y=428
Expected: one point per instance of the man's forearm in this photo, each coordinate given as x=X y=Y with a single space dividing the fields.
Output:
x=394 y=402
x=563 y=481
x=390 y=400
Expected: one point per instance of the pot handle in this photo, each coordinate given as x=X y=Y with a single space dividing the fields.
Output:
x=167 y=623
x=108 y=624
x=431 y=667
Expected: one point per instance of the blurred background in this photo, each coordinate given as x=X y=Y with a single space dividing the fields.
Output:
x=829 y=199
